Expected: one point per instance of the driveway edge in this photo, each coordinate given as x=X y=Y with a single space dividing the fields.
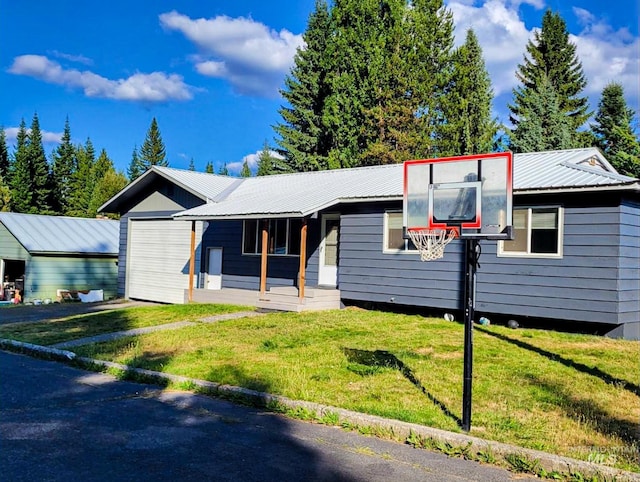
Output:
x=398 y=430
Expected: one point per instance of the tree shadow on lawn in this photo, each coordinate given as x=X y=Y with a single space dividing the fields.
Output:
x=384 y=359
x=581 y=367
x=587 y=412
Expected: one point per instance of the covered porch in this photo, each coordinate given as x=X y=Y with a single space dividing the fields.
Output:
x=279 y=298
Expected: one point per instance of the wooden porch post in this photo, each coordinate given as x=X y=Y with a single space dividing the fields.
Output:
x=263 y=264
x=303 y=259
x=192 y=260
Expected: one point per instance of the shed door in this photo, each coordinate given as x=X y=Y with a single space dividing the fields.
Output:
x=158 y=260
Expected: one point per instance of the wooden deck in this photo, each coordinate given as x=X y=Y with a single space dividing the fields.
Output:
x=278 y=299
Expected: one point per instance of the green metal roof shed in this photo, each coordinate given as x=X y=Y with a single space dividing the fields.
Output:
x=46 y=254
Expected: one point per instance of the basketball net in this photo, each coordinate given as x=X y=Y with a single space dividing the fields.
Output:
x=431 y=242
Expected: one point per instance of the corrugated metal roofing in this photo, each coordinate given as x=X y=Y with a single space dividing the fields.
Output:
x=301 y=194
x=57 y=234
x=209 y=186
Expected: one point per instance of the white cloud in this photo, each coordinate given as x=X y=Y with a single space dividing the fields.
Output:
x=252 y=161
x=153 y=87
x=11 y=134
x=79 y=59
x=606 y=54
x=248 y=54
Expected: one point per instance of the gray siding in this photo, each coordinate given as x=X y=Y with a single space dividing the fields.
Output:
x=629 y=262
x=596 y=280
x=243 y=271
x=368 y=274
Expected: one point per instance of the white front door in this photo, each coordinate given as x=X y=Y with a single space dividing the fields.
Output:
x=214 y=273
x=328 y=269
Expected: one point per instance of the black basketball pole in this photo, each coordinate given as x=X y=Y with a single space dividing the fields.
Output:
x=472 y=253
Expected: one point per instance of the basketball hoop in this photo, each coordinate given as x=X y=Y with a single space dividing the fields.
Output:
x=431 y=242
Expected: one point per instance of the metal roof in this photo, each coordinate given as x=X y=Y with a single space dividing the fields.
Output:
x=301 y=194
x=57 y=234
x=202 y=185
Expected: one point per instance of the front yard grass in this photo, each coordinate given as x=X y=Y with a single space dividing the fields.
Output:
x=81 y=326
x=573 y=395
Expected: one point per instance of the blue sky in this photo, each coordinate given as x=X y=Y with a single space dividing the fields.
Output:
x=209 y=71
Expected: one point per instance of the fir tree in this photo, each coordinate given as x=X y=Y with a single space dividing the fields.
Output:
x=63 y=167
x=20 y=173
x=301 y=134
x=192 y=166
x=223 y=171
x=245 y=172
x=471 y=128
x=552 y=56
x=152 y=152
x=4 y=154
x=5 y=196
x=135 y=168
x=614 y=133
x=543 y=126
x=40 y=178
x=83 y=181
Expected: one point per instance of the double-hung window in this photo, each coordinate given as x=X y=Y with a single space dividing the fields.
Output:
x=393 y=240
x=283 y=236
x=538 y=233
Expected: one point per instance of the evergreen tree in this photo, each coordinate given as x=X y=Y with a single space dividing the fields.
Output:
x=192 y=166
x=152 y=152
x=471 y=129
x=40 y=178
x=553 y=57
x=5 y=196
x=301 y=138
x=63 y=167
x=543 y=126
x=268 y=163
x=135 y=168
x=83 y=181
x=107 y=186
x=20 y=173
x=223 y=171
x=245 y=172
x=614 y=133
x=4 y=154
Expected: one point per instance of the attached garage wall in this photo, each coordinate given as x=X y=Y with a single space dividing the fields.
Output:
x=158 y=258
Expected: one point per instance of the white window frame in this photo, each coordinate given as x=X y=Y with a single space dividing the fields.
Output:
x=528 y=254
x=259 y=236
x=385 y=237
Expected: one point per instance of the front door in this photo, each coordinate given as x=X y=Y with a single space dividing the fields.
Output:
x=214 y=273
x=328 y=269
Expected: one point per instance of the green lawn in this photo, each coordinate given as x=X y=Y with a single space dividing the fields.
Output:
x=573 y=395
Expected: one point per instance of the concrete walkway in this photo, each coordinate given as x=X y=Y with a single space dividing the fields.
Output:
x=150 y=329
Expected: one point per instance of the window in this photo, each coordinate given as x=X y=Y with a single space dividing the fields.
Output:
x=538 y=233
x=393 y=240
x=283 y=236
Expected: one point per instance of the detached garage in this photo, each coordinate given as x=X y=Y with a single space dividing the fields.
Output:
x=155 y=250
x=42 y=256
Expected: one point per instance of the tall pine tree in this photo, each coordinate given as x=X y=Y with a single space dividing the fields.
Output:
x=83 y=181
x=223 y=171
x=614 y=132
x=135 y=168
x=40 y=177
x=20 y=173
x=246 y=171
x=471 y=129
x=152 y=152
x=63 y=167
x=543 y=126
x=301 y=134
x=552 y=58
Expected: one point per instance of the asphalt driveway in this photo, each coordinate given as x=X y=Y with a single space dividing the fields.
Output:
x=59 y=423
